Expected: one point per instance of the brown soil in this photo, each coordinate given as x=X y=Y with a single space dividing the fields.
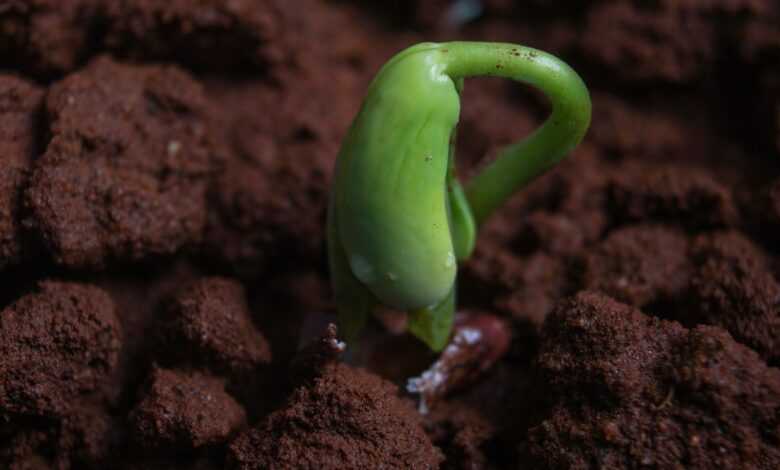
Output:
x=164 y=179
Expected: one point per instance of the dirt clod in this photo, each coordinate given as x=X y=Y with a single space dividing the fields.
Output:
x=348 y=418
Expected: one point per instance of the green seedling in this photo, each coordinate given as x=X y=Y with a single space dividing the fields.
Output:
x=399 y=220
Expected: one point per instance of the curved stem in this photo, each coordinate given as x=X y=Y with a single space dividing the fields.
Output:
x=521 y=162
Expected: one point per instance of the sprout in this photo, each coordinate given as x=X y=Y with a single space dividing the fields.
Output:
x=399 y=220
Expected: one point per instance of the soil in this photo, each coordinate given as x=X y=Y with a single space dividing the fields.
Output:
x=165 y=298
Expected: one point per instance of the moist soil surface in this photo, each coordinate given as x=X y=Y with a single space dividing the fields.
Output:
x=164 y=298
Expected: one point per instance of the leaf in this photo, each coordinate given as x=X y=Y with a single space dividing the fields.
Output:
x=462 y=224
x=433 y=325
x=353 y=300
x=463 y=227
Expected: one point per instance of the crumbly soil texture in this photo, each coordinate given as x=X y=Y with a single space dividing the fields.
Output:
x=164 y=296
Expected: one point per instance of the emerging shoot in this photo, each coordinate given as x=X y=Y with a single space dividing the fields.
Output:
x=399 y=220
